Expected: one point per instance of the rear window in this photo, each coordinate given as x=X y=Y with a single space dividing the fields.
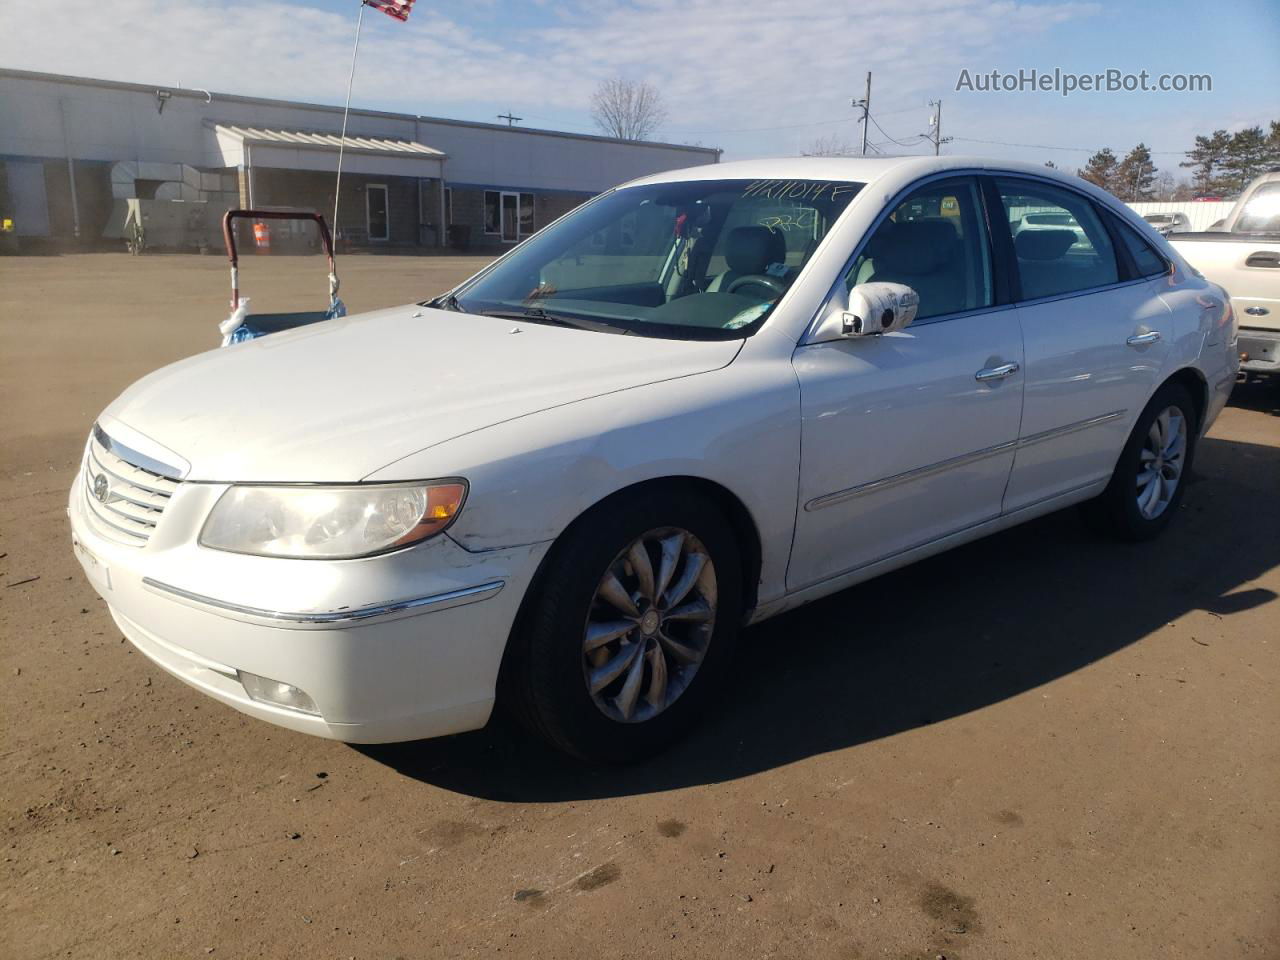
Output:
x=1262 y=212
x=1147 y=261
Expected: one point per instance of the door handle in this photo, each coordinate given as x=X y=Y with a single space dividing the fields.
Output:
x=996 y=373
x=1142 y=339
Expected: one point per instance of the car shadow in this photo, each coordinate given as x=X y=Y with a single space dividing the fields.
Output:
x=927 y=643
x=1260 y=395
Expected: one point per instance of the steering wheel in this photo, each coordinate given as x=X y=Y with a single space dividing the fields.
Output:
x=761 y=280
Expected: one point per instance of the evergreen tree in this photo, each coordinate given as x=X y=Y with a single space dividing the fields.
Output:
x=1207 y=157
x=1135 y=175
x=1247 y=156
x=1101 y=169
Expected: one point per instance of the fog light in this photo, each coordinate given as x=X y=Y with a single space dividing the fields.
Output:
x=274 y=692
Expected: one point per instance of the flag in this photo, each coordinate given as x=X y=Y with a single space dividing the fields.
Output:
x=392 y=8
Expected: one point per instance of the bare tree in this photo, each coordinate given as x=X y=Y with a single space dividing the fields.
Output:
x=829 y=146
x=627 y=109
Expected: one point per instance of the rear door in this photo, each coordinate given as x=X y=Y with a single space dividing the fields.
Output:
x=909 y=437
x=1097 y=338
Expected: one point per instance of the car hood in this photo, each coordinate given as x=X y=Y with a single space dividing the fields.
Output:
x=338 y=400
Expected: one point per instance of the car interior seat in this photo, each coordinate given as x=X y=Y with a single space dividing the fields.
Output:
x=923 y=254
x=747 y=251
x=1040 y=261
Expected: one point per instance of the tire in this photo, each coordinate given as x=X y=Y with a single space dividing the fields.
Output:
x=1125 y=510
x=547 y=671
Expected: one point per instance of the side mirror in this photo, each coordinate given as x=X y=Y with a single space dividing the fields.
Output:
x=876 y=308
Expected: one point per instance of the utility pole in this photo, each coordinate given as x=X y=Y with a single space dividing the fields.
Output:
x=935 y=125
x=511 y=121
x=865 y=104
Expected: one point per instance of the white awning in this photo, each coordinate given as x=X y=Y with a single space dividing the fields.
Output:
x=318 y=150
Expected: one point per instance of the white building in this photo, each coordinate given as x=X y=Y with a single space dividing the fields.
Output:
x=71 y=146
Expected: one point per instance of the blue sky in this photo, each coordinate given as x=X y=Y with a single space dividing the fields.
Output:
x=755 y=77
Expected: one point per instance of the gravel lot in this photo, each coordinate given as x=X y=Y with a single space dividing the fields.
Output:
x=1040 y=745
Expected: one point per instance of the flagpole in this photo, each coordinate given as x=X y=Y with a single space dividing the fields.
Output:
x=342 y=140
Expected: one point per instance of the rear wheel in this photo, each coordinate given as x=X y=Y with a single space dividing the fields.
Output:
x=1152 y=472
x=628 y=628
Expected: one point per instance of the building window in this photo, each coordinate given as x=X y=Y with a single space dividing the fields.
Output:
x=492 y=211
x=448 y=206
x=526 y=214
x=508 y=214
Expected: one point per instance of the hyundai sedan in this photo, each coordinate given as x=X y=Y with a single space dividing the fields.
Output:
x=698 y=400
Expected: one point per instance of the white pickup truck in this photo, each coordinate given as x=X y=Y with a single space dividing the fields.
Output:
x=1243 y=255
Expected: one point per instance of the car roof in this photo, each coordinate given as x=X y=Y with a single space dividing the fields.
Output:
x=856 y=169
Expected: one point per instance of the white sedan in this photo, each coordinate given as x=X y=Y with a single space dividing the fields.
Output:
x=696 y=401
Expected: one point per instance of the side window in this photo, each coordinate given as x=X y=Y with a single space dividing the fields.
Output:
x=934 y=242
x=1146 y=260
x=1058 y=237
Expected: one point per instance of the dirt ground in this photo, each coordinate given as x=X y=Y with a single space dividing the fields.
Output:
x=1041 y=745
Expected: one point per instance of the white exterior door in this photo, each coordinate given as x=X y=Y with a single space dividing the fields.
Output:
x=910 y=436
x=1086 y=384
x=510 y=217
x=1095 y=344
x=901 y=444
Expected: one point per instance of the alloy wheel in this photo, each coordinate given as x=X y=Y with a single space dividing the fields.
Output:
x=1160 y=462
x=649 y=625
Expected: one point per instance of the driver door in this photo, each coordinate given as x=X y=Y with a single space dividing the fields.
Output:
x=909 y=437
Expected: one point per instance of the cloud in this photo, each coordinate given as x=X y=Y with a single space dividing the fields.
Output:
x=722 y=66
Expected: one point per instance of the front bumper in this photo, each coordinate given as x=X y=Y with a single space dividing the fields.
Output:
x=397 y=647
x=1259 y=350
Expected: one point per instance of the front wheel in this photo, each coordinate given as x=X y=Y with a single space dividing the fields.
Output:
x=1153 y=469
x=628 y=627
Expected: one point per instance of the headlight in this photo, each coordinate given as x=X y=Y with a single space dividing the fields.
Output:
x=330 y=523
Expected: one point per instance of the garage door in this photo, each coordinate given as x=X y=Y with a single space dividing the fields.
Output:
x=30 y=207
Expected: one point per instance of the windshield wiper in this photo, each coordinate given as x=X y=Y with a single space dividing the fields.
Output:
x=445 y=303
x=539 y=315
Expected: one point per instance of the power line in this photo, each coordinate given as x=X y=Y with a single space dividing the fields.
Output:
x=892 y=139
x=1045 y=146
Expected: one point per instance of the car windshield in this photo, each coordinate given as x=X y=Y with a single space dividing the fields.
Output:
x=702 y=259
x=1262 y=213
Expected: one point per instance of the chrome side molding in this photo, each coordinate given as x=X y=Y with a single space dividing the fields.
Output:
x=840 y=496
x=331 y=618
x=1069 y=428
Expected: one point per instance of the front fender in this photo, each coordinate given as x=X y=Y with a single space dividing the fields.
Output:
x=531 y=477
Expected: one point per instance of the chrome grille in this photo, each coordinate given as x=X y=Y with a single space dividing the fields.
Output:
x=124 y=500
